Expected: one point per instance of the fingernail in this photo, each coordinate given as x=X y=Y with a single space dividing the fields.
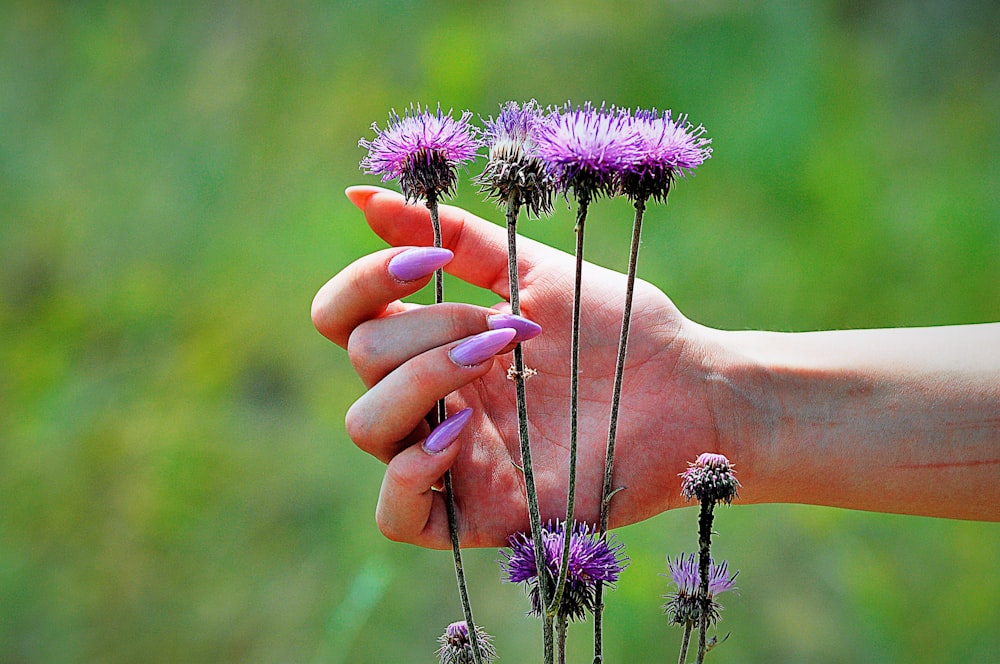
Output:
x=481 y=347
x=418 y=262
x=526 y=329
x=360 y=194
x=446 y=432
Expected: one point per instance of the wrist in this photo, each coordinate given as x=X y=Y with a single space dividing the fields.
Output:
x=745 y=409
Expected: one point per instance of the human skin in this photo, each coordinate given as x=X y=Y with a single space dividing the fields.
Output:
x=900 y=420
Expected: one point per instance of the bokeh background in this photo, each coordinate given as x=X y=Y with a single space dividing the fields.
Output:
x=175 y=481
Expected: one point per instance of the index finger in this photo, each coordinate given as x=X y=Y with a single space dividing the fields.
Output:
x=480 y=246
x=372 y=286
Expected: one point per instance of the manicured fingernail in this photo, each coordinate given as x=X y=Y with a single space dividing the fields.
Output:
x=418 y=262
x=446 y=432
x=526 y=329
x=481 y=347
x=360 y=194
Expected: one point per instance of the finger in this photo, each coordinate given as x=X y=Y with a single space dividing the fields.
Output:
x=378 y=346
x=390 y=411
x=480 y=246
x=372 y=286
x=408 y=509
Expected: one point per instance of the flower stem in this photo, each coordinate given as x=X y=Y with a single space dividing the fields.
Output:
x=534 y=515
x=609 y=460
x=442 y=413
x=704 y=560
x=685 y=641
x=574 y=399
x=562 y=626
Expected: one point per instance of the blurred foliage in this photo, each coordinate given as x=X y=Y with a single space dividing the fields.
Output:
x=176 y=482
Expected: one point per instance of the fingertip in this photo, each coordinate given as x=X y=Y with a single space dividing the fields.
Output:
x=361 y=194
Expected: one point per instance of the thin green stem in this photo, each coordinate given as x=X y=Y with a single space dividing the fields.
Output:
x=685 y=641
x=609 y=459
x=562 y=627
x=704 y=560
x=442 y=413
x=534 y=514
x=574 y=399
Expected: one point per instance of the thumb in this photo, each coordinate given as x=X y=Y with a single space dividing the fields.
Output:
x=480 y=247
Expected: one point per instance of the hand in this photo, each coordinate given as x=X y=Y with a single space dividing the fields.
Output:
x=400 y=351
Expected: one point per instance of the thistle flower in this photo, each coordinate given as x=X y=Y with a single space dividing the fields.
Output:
x=422 y=149
x=513 y=169
x=456 y=646
x=710 y=478
x=593 y=558
x=586 y=149
x=684 y=606
x=667 y=148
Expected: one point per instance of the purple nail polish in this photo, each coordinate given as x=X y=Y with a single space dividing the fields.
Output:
x=418 y=262
x=446 y=432
x=526 y=329
x=481 y=347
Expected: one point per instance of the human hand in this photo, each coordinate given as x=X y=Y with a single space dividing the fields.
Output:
x=400 y=351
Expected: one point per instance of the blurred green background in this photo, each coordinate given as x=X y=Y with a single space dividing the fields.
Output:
x=176 y=483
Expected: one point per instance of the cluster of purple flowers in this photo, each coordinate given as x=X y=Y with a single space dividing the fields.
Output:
x=587 y=150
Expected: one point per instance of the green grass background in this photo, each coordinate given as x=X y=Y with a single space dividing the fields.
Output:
x=175 y=480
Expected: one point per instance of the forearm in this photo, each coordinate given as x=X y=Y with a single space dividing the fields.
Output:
x=900 y=420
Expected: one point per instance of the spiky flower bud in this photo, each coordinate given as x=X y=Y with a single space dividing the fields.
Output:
x=710 y=478
x=514 y=170
x=456 y=646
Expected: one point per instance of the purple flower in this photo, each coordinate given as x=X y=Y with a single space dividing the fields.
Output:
x=668 y=148
x=586 y=149
x=422 y=149
x=514 y=173
x=593 y=558
x=710 y=478
x=684 y=606
x=456 y=646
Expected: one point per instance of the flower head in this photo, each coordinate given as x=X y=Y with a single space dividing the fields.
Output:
x=667 y=148
x=514 y=170
x=683 y=605
x=593 y=558
x=710 y=478
x=587 y=148
x=422 y=149
x=456 y=646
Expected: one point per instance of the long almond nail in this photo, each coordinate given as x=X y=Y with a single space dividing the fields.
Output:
x=481 y=347
x=418 y=262
x=526 y=329
x=446 y=432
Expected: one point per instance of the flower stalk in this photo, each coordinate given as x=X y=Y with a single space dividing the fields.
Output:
x=423 y=150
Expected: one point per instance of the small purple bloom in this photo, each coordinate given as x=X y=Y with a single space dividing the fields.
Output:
x=422 y=149
x=710 y=478
x=586 y=149
x=593 y=558
x=456 y=645
x=514 y=173
x=684 y=605
x=668 y=148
